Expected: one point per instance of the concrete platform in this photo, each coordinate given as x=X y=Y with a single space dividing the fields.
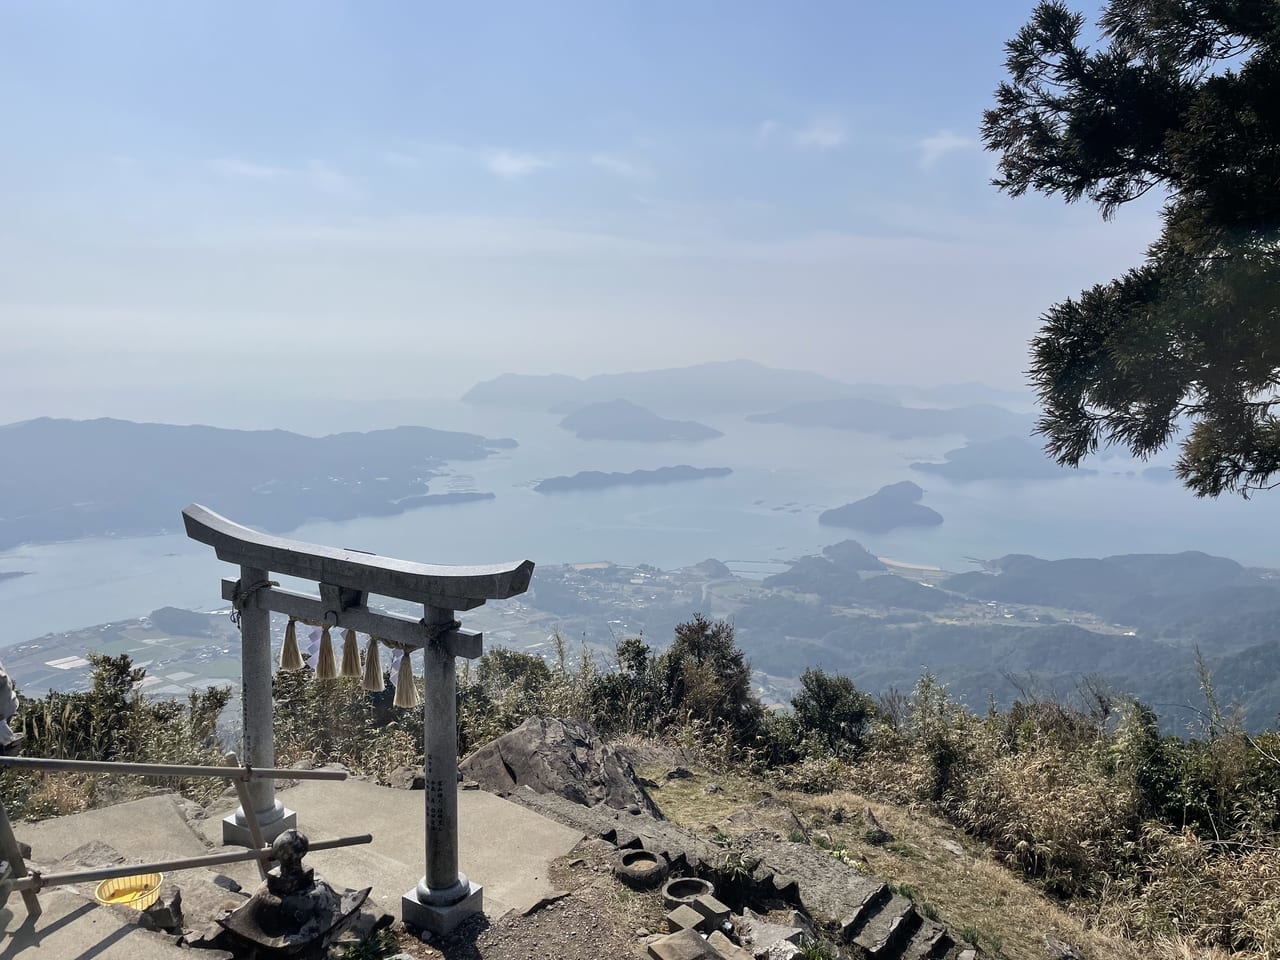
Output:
x=504 y=847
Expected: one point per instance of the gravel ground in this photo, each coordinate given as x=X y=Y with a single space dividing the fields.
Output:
x=597 y=918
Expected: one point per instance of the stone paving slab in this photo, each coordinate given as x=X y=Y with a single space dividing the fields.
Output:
x=503 y=846
x=73 y=928
x=152 y=828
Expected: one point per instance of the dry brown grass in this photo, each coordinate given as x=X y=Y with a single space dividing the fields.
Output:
x=1201 y=893
x=969 y=891
x=687 y=802
x=58 y=794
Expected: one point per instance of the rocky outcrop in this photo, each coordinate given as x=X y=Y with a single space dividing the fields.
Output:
x=562 y=757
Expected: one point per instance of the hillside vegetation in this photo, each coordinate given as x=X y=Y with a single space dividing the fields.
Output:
x=1167 y=842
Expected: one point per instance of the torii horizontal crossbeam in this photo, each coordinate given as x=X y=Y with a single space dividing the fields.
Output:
x=450 y=587
x=383 y=625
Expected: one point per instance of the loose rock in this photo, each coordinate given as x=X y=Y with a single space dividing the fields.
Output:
x=685 y=945
x=407 y=778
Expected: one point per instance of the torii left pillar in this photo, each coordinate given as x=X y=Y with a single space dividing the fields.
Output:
x=259 y=745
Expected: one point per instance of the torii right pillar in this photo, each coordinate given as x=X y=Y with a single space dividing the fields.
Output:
x=444 y=897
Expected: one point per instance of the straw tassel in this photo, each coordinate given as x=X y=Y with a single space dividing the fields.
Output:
x=326 y=665
x=406 y=688
x=350 y=654
x=372 y=668
x=290 y=658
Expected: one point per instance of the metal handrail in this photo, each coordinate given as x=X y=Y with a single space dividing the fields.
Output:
x=37 y=881
x=29 y=884
x=241 y=773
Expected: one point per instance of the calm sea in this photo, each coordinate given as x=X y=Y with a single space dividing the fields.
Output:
x=765 y=511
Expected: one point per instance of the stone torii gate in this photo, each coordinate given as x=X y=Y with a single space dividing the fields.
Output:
x=444 y=897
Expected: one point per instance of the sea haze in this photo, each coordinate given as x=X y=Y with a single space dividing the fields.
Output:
x=783 y=477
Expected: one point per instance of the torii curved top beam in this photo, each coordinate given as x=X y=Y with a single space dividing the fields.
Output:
x=450 y=587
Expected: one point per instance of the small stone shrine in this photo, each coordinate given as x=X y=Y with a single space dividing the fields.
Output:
x=293 y=912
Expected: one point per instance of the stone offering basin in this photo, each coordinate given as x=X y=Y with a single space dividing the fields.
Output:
x=685 y=890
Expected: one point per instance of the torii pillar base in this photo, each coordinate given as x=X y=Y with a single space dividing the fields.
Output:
x=236 y=832
x=442 y=918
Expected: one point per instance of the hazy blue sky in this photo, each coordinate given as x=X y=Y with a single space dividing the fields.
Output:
x=202 y=201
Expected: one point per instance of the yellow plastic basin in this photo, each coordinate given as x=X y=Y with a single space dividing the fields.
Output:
x=139 y=891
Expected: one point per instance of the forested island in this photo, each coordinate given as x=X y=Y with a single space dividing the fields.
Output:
x=890 y=507
x=729 y=386
x=596 y=480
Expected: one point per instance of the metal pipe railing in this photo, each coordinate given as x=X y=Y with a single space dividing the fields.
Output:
x=38 y=882
x=240 y=775
x=171 y=770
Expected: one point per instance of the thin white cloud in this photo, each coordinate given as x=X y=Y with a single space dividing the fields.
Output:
x=328 y=180
x=511 y=165
x=314 y=174
x=826 y=133
x=933 y=148
x=766 y=130
x=620 y=166
x=398 y=158
x=248 y=170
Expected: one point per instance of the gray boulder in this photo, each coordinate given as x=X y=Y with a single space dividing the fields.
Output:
x=564 y=757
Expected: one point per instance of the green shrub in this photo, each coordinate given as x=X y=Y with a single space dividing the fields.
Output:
x=112 y=721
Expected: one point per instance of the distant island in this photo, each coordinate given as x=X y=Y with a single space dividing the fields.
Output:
x=624 y=420
x=889 y=419
x=13 y=574
x=69 y=479
x=890 y=507
x=1008 y=458
x=595 y=480
x=733 y=386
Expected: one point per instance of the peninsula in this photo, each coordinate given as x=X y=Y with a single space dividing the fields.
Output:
x=624 y=420
x=69 y=479
x=1006 y=458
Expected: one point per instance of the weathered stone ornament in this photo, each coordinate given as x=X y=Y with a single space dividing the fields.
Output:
x=293 y=912
x=10 y=740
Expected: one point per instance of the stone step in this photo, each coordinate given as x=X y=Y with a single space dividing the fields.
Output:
x=884 y=933
x=874 y=898
x=930 y=942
